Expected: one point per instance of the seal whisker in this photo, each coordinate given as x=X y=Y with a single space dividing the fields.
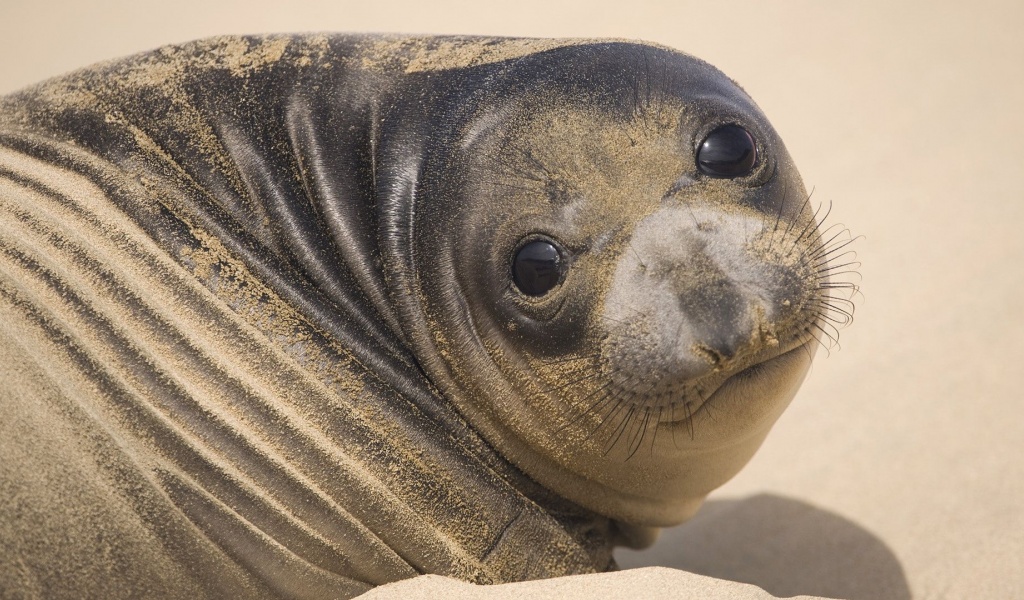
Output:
x=827 y=314
x=610 y=396
x=618 y=402
x=642 y=426
x=832 y=292
x=825 y=261
x=608 y=400
x=852 y=290
x=621 y=428
x=822 y=233
x=639 y=424
x=829 y=276
x=833 y=340
x=813 y=223
x=707 y=407
x=672 y=416
x=831 y=251
x=635 y=432
x=806 y=346
x=689 y=420
x=845 y=295
x=831 y=248
x=778 y=217
x=828 y=349
x=657 y=425
x=807 y=202
x=843 y=322
x=841 y=301
x=855 y=264
x=601 y=399
x=604 y=389
x=828 y=304
x=824 y=268
x=832 y=283
x=826 y=322
x=836 y=237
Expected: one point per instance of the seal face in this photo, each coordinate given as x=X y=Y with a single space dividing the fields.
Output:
x=293 y=316
x=676 y=317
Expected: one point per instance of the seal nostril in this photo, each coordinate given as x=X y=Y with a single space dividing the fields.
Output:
x=709 y=354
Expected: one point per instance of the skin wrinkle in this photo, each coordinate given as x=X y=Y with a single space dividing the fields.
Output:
x=285 y=264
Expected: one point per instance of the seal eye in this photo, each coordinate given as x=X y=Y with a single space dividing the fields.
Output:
x=728 y=151
x=537 y=267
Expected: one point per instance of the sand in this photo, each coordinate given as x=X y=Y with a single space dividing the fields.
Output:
x=652 y=583
x=896 y=473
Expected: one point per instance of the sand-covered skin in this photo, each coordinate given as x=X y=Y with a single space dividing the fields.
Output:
x=908 y=118
x=293 y=454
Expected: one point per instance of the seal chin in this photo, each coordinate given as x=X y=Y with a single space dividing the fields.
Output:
x=701 y=451
x=714 y=390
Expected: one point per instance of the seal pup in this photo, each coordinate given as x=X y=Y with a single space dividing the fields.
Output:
x=294 y=316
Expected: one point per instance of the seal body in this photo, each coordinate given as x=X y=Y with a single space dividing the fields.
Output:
x=294 y=316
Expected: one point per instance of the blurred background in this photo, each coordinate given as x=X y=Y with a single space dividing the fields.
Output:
x=898 y=470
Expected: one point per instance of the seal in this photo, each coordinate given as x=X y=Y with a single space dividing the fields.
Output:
x=295 y=316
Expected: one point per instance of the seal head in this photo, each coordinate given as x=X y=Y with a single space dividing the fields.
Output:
x=612 y=271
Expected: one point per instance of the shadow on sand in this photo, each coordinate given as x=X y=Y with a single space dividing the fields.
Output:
x=784 y=546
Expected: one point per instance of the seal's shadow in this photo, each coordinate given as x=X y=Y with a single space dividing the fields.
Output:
x=784 y=546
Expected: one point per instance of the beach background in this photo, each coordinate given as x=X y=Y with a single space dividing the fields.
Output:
x=898 y=471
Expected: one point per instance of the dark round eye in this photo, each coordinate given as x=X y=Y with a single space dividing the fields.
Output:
x=537 y=267
x=728 y=151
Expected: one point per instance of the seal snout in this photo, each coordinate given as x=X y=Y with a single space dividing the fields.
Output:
x=700 y=297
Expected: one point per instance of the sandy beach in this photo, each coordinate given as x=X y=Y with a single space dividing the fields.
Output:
x=897 y=472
